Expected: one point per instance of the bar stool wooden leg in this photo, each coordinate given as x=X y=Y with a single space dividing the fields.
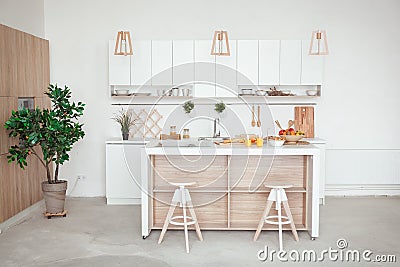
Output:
x=193 y=215
x=262 y=220
x=289 y=214
x=167 y=220
x=280 y=223
x=184 y=205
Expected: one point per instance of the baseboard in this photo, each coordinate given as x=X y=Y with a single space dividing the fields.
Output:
x=362 y=190
x=124 y=201
x=20 y=216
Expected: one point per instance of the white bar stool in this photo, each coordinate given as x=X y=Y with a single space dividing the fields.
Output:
x=278 y=196
x=182 y=197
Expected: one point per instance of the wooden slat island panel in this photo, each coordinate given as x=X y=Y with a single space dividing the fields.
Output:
x=229 y=193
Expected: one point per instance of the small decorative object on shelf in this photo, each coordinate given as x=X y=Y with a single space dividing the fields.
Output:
x=220 y=107
x=188 y=106
x=126 y=121
x=276 y=92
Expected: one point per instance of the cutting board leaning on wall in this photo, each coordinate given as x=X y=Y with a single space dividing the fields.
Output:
x=304 y=120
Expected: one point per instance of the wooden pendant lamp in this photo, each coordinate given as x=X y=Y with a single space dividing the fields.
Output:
x=123 y=45
x=319 y=43
x=220 y=45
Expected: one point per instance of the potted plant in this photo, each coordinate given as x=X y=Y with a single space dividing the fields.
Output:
x=126 y=121
x=48 y=134
x=188 y=106
x=220 y=107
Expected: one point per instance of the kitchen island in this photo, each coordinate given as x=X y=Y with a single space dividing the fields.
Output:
x=229 y=193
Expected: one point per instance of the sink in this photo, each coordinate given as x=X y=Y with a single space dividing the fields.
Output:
x=213 y=139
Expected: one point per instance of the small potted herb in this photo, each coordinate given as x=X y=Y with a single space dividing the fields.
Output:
x=126 y=121
x=220 y=107
x=188 y=106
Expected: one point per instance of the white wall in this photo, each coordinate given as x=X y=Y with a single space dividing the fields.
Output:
x=23 y=15
x=358 y=110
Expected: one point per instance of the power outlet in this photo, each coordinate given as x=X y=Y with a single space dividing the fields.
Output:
x=81 y=177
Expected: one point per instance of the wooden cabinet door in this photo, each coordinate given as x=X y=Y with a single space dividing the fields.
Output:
x=183 y=62
x=290 y=62
x=161 y=62
x=225 y=73
x=247 y=62
x=119 y=67
x=141 y=63
x=204 y=69
x=311 y=66
x=268 y=65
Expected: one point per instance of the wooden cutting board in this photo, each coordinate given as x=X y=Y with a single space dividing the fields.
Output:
x=304 y=120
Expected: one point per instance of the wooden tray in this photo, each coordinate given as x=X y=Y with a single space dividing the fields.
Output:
x=298 y=143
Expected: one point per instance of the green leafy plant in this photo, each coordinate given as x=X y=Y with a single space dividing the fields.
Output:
x=220 y=107
x=53 y=130
x=125 y=120
x=188 y=106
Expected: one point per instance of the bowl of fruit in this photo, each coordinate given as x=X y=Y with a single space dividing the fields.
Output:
x=291 y=135
x=276 y=141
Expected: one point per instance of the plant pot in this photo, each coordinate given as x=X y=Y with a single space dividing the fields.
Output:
x=125 y=136
x=54 y=196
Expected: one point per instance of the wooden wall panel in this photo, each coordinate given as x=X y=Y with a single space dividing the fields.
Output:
x=24 y=72
x=7 y=104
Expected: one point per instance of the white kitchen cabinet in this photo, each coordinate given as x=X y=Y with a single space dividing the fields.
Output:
x=311 y=66
x=183 y=62
x=290 y=62
x=141 y=63
x=123 y=174
x=161 y=62
x=119 y=67
x=268 y=65
x=204 y=69
x=225 y=73
x=247 y=62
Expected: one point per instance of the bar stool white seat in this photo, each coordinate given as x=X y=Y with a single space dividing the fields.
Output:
x=182 y=197
x=277 y=195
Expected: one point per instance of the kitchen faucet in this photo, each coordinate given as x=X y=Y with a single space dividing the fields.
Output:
x=215 y=134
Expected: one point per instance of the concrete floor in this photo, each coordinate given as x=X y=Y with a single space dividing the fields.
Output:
x=94 y=234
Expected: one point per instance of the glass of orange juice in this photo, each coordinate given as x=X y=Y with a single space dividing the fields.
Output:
x=259 y=141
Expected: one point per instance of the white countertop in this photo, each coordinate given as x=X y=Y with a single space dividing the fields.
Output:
x=141 y=141
x=153 y=148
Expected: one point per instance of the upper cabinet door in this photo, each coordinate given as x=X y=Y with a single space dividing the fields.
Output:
x=268 y=65
x=161 y=62
x=247 y=62
x=225 y=73
x=141 y=63
x=290 y=62
x=204 y=69
x=311 y=66
x=183 y=62
x=119 y=67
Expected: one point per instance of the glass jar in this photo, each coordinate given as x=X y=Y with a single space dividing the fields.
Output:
x=185 y=134
x=172 y=130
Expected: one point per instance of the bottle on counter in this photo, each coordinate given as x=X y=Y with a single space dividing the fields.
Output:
x=172 y=130
x=186 y=133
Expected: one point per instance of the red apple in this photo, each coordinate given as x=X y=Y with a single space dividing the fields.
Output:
x=281 y=132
